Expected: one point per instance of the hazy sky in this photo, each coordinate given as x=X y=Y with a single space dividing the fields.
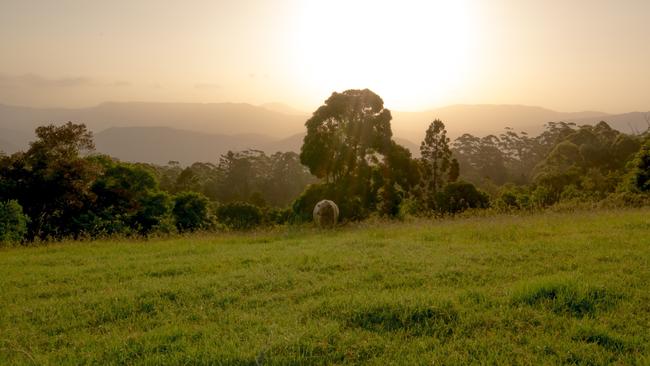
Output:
x=566 y=55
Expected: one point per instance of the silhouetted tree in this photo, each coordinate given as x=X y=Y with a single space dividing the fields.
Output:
x=436 y=161
x=51 y=180
x=345 y=135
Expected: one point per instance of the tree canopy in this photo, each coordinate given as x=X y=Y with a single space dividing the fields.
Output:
x=345 y=135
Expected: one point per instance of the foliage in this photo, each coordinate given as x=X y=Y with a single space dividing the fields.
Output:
x=250 y=176
x=190 y=211
x=128 y=199
x=345 y=134
x=239 y=215
x=619 y=200
x=512 y=197
x=640 y=179
x=480 y=158
x=277 y=216
x=592 y=158
x=349 y=145
x=51 y=181
x=438 y=167
x=13 y=222
x=66 y=191
x=459 y=196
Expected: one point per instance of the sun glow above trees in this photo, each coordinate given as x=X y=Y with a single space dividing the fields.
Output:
x=414 y=53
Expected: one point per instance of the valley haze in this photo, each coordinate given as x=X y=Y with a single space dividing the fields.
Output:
x=191 y=132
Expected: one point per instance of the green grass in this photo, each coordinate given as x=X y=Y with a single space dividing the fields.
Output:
x=554 y=288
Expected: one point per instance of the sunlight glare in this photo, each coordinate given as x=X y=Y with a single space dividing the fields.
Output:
x=410 y=52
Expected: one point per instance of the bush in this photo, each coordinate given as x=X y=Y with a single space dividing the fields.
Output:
x=277 y=216
x=625 y=199
x=459 y=196
x=154 y=210
x=303 y=206
x=506 y=202
x=239 y=215
x=190 y=211
x=542 y=197
x=409 y=207
x=13 y=222
x=640 y=180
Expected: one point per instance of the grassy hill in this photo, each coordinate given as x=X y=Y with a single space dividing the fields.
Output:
x=570 y=288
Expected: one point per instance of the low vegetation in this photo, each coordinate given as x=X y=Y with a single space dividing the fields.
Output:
x=568 y=288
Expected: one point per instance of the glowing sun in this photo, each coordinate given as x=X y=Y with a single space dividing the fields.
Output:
x=410 y=52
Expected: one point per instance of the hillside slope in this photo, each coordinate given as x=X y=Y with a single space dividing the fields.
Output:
x=546 y=289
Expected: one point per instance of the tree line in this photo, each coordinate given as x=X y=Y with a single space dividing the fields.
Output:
x=59 y=188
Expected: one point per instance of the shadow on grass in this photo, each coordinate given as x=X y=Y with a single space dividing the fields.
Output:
x=418 y=320
x=565 y=296
x=605 y=339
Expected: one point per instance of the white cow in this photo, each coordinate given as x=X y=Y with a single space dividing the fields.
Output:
x=326 y=214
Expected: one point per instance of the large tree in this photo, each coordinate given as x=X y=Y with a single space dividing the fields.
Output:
x=346 y=135
x=437 y=162
x=52 y=179
x=349 y=145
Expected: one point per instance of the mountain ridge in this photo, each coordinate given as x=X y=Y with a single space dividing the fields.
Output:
x=202 y=131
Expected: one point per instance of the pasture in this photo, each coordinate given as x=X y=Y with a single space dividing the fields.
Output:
x=552 y=288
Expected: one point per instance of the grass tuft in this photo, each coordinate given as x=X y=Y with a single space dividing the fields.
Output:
x=565 y=296
x=418 y=320
x=604 y=338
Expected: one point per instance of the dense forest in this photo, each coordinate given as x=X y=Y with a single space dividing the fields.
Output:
x=59 y=188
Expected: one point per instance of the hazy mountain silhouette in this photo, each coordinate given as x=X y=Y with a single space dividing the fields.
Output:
x=283 y=108
x=188 y=132
x=7 y=147
x=12 y=141
x=219 y=118
x=161 y=144
x=633 y=122
x=482 y=119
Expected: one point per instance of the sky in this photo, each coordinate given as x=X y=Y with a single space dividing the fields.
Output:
x=565 y=55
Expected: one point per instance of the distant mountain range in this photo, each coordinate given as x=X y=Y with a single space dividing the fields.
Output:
x=189 y=132
x=488 y=119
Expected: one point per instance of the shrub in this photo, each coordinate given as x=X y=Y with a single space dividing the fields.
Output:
x=459 y=196
x=409 y=207
x=239 y=215
x=625 y=199
x=506 y=201
x=571 y=192
x=13 y=222
x=190 y=211
x=303 y=206
x=640 y=180
x=542 y=197
x=277 y=216
x=154 y=209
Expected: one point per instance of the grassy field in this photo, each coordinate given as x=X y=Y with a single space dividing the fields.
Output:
x=570 y=288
